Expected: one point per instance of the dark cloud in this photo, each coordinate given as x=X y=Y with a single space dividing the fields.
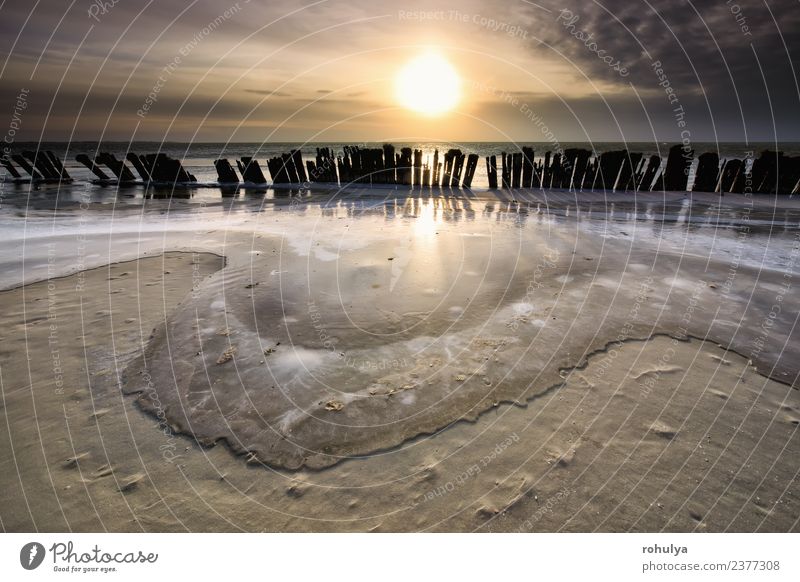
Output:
x=90 y=73
x=733 y=62
x=269 y=92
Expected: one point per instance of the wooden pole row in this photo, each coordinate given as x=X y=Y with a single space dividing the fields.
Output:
x=152 y=168
x=41 y=166
x=622 y=170
x=574 y=169
x=358 y=165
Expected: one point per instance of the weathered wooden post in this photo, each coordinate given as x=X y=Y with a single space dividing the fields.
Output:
x=281 y=170
x=630 y=162
x=347 y=171
x=637 y=173
x=567 y=167
x=398 y=171
x=405 y=165
x=59 y=167
x=610 y=164
x=417 y=167
x=581 y=162
x=364 y=166
x=706 y=176
x=556 y=171
x=527 y=167
x=119 y=168
x=516 y=169
x=44 y=160
x=352 y=163
x=646 y=179
x=326 y=166
x=321 y=170
x=765 y=173
x=505 y=171
x=591 y=173
x=472 y=164
x=448 y=168
x=368 y=165
x=676 y=174
x=348 y=174
x=311 y=168
x=538 y=175
x=41 y=163
x=297 y=158
x=162 y=168
x=27 y=167
x=251 y=171
x=94 y=168
x=491 y=171
x=458 y=165
x=6 y=163
x=343 y=171
x=730 y=169
x=388 y=162
x=291 y=171
x=139 y=165
x=437 y=168
x=271 y=166
x=225 y=172
x=547 y=177
x=744 y=180
x=331 y=165
x=379 y=169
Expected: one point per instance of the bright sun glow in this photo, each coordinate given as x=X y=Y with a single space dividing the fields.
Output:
x=428 y=84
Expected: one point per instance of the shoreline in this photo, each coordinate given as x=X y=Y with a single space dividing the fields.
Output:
x=734 y=212
x=502 y=349
x=531 y=472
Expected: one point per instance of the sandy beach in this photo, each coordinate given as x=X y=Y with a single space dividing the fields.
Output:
x=437 y=363
x=342 y=268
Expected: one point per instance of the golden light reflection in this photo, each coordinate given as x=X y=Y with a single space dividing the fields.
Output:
x=428 y=219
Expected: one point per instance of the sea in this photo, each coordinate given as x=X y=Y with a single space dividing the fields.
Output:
x=198 y=158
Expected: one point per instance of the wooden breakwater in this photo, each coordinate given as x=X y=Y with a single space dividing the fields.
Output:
x=40 y=166
x=152 y=168
x=573 y=169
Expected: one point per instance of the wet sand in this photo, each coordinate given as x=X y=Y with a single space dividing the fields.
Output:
x=489 y=373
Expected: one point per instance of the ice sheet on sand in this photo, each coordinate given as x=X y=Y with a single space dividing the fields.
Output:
x=362 y=356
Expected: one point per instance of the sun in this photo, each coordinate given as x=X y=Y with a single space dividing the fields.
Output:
x=428 y=84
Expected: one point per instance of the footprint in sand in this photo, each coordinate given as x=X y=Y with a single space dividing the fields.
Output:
x=130 y=483
x=73 y=462
x=663 y=430
x=103 y=471
x=657 y=371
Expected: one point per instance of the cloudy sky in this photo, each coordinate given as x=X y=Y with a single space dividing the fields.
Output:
x=297 y=70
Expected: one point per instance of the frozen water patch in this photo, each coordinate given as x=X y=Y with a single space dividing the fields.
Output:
x=362 y=366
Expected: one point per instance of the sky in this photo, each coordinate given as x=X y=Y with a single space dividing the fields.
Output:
x=325 y=70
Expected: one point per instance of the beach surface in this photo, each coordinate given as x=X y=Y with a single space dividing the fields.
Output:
x=374 y=362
